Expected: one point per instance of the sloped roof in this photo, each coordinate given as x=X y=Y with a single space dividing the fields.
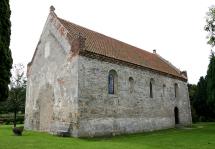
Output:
x=107 y=46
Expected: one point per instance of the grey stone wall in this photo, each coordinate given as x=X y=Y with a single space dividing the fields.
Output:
x=69 y=93
x=52 y=88
x=125 y=112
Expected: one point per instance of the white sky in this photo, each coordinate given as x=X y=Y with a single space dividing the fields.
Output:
x=174 y=27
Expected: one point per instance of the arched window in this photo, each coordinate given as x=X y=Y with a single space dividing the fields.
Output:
x=151 y=87
x=164 y=88
x=176 y=90
x=131 y=84
x=112 y=82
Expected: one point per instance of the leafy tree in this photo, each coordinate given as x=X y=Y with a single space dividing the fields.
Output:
x=211 y=86
x=5 y=53
x=16 y=99
x=210 y=26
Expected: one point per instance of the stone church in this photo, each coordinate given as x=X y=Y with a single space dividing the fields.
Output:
x=86 y=84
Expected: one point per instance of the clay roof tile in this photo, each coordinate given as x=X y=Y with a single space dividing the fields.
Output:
x=107 y=46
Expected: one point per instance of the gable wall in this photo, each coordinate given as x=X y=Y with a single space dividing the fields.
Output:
x=51 y=101
x=125 y=112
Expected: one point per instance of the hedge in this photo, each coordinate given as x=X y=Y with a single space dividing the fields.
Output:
x=9 y=118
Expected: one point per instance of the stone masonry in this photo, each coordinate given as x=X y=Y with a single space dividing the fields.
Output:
x=67 y=91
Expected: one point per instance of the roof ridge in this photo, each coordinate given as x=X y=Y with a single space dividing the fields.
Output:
x=104 y=35
x=108 y=46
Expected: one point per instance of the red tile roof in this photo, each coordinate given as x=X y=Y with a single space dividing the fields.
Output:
x=109 y=47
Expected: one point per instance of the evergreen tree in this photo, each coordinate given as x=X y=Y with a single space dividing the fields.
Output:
x=192 y=88
x=200 y=101
x=5 y=53
x=210 y=77
x=211 y=86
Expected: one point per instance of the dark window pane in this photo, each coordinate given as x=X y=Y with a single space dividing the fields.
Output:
x=111 y=84
x=175 y=90
x=151 y=93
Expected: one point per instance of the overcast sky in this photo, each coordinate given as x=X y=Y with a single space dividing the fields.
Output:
x=175 y=28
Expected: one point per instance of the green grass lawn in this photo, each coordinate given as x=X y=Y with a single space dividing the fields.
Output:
x=200 y=136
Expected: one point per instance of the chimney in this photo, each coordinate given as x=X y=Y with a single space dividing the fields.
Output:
x=154 y=51
x=184 y=73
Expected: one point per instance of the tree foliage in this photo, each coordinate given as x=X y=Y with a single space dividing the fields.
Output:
x=211 y=85
x=16 y=100
x=198 y=99
x=192 y=88
x=210 y=26
x=202 y=96
x=5 y=53
x=203 y=99
x=200 y=102
x=210 y=77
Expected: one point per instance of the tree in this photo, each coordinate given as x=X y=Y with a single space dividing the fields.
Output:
x=192 y=88
x=210 y=77
x=16 y=99
x=210 y=26
x=200 y=101
x=192 y=91
x=211 y=86
x=3 y=107
x=5 y=53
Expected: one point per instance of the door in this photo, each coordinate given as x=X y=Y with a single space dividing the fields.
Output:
x=176 y=115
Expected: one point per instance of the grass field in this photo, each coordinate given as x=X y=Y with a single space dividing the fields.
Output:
x=200 y=136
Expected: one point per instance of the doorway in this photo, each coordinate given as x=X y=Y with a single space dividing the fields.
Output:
x=176 y=112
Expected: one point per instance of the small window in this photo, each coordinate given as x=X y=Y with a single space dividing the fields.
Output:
x=112 y=82
x=151 y=87
x=176 y=90
x=131 y=84
x=164 y=89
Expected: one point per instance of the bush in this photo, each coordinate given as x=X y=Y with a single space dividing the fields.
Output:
x=9 y=118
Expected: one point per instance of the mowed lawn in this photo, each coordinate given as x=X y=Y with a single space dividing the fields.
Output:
x=200 y=136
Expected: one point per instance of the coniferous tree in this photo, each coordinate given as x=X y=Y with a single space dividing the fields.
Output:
x=5 y=53
x=200 y=101
x=211 y=86
x=210 y=77
x=192 y=88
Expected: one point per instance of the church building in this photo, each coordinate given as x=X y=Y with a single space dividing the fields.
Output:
x=85 y=84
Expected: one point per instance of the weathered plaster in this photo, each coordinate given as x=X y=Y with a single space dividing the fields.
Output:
x=125 y=112
x=52 y=88
x=67 y=92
